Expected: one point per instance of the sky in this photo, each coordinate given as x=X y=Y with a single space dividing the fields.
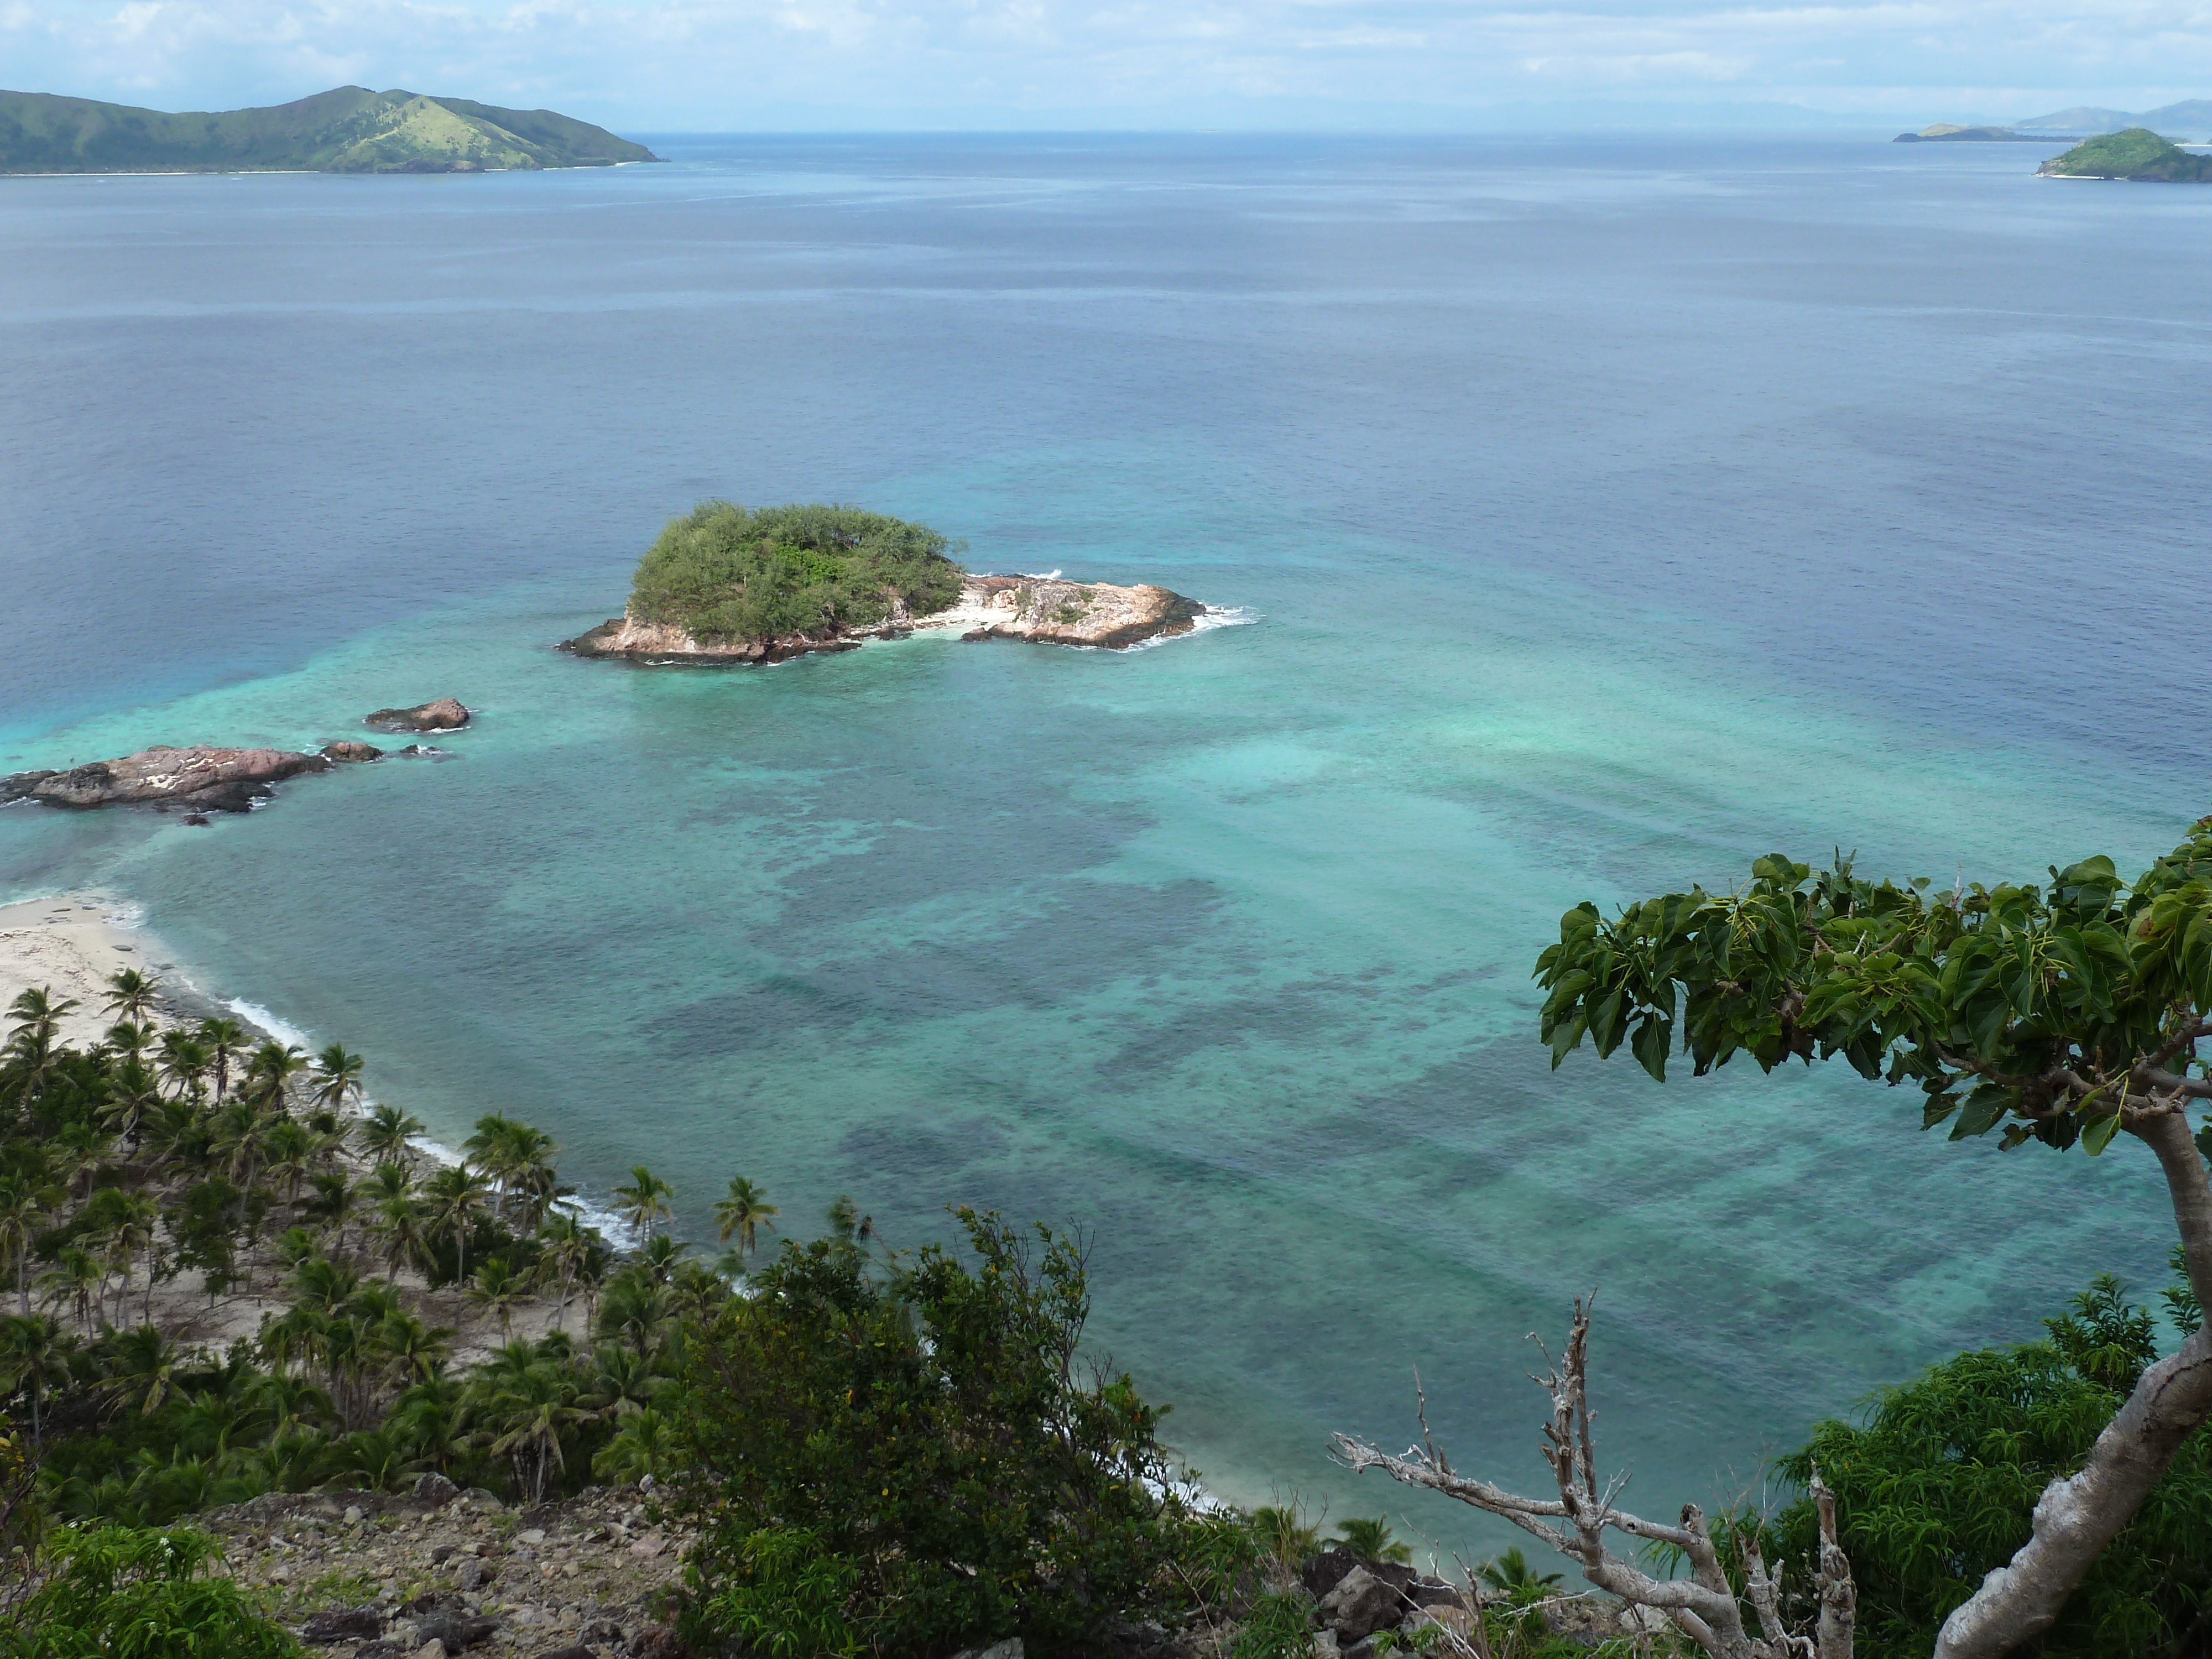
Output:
x=758 y=65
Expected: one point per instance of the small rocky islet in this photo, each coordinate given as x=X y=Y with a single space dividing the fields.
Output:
x=727 y=585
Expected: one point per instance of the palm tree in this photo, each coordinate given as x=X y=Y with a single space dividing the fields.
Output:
x=566 y=1245
x=76 y=1279
x=132 y=994
x=239 y=1132
x=77 y=1151
x=385 y=1133
x=134 y=1099
x=143 y=1368
x=430 y=1415
x=644 y=1445
x=403 y=1235
x=23 y=1206
x=455 y=1197
x=528 y=1413
x=337 y=1078
x=659 y=1258
x=32 y=1051
x=635 y=1309
x=222 y=1039
x=1368 y=1538
x=412 y=1349
x=132 y=1233
x=336 y=1203
x=185 y=1062
x=291 y=1153
x=739 y=1215
x=1510 y=1575
x=645 y=1201
x=35 y=1351
x=496 y=1290
x=128 y=1037
x=270 y=1072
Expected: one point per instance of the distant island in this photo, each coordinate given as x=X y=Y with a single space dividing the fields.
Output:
x=726 y=584
x=347 y=129
x=2191 y=115
x=2137 y=153
x=1942 y=133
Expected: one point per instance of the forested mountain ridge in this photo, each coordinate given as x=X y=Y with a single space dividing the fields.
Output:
x=346 y=130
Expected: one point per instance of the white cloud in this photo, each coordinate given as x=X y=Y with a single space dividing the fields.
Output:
x=704 y=65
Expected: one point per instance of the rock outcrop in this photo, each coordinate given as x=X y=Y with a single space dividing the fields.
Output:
x=665 y=644
x=206 y=779
x=446 y=714
x=1042 y=609
x=357 y=753
x=1050 y=611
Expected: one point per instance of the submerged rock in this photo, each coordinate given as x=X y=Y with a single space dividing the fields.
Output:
x=210 y=779
x=445 y=714
x=346 y=750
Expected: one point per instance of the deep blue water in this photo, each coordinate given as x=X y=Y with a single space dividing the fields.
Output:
x=1607 y=514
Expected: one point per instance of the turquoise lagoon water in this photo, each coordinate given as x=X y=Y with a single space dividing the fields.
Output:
x=1591 y=517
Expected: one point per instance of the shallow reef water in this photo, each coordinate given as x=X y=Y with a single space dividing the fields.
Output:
x=1605 y=514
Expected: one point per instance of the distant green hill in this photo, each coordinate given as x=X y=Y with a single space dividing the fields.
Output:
x=2137 y=153
x=349 y=130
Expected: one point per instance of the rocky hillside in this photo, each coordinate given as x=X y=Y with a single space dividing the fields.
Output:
x=373 y=1575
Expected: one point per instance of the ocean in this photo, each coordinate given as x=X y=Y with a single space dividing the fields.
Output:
x=1596 y=514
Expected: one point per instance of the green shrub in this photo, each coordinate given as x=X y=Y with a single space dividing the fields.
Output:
x=787 y=1598
x=727 y=572
x=1939 y=1486
x=925 y=1426
x=120 y=1593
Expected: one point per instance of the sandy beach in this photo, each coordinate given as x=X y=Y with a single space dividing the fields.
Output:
x=73 y=943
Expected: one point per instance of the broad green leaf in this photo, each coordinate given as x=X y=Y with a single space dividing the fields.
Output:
x=2097 y=1133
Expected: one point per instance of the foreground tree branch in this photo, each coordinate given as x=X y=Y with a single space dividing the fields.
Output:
x=2065 y=1014
x=1704 y=1606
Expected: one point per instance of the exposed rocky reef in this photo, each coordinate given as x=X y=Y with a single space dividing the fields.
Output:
x=206 y=779
x=1042 y=609
x=201 y=778
x=444 y=714
x=1051 y=611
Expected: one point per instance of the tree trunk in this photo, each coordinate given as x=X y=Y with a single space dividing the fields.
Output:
x=2078 y=1515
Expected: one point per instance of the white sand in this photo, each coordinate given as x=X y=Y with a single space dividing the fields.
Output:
x=73 y=944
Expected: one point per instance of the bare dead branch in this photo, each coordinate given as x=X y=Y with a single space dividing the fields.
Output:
x=1702 y=1606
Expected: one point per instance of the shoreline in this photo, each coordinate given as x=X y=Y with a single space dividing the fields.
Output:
x=73 y=941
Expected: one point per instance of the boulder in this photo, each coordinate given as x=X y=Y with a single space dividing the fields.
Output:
x=204 y=777
x=1453 y=1618
x=457 y=1630
x=1321 y=1572
x=433 y=1487
x=1359 y=1605
x=1009 y=1649
x=345 y=749
x=1433 y=1593
x=338 y=1625
x=445 y=714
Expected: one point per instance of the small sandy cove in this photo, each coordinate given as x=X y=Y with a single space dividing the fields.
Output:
x=74 y=944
